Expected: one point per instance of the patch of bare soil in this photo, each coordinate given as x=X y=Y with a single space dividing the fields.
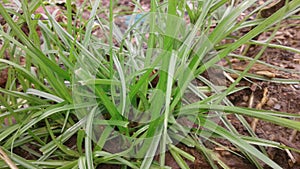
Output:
x=278 y=97
x=3 y=77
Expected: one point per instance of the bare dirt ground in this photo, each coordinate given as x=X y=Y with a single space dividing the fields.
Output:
x=278 y=97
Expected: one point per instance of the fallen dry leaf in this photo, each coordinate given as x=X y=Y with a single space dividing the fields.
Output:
x=266 y=73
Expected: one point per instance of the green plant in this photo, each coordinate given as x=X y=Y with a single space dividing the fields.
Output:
x=133 y=89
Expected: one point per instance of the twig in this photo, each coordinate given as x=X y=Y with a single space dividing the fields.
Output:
x=259 y=106
x=7 y=160
x=294 y=133
x=294 y=157
x=228 y=77
x=288 y=152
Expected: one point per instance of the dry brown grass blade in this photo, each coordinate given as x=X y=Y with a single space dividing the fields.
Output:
x=7 y=160
x=259 y=106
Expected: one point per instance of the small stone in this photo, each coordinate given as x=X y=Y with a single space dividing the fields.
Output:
x=225 y=153
x=296 y=87
x=243 y=104
x=253 y=87
x=277 y=106
x=245 y=98
x=285 y=89
x=271 y=102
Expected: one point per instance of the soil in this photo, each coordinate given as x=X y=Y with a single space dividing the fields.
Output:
x=279 y=97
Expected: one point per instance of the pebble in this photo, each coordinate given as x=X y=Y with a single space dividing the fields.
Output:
x=271 y=101
x=296 y=87
x=277 y=106
x=285 y=89
x=245 y=98
x=243 y=104
x=225 y=153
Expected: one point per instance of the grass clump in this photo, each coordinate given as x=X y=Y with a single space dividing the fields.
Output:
x=129 y=95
